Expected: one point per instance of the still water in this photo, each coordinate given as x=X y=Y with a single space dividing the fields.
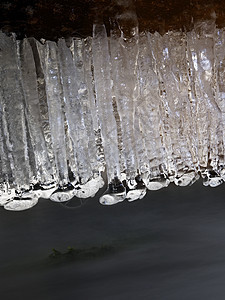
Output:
x=170 y=245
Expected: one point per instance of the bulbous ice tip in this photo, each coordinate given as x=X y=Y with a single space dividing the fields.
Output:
x=63 y=194
x=19 y=205
x=45 y=191
x=90 y=188
x=131 y=184
x=22 y=202
x=7 y=196
x=135 y=194
x=138 y=192
x=108 y=199
x=115 y=193
x=212 y=179
x=186 y=179
x=156 y=183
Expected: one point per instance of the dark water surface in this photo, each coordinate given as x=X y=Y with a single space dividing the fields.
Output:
x=170 y=245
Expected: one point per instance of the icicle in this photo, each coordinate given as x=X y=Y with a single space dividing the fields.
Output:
x=56 y=117
x=124 y=53
x=74 y=114
x=45 y=173
x=39 y=59
x=104 y=100
x=21 y=204
x=101 y=63
x=6 y=176
x=92 y=106
x=86 y=104
x=14 y=113
x=219 y=90
x=92 y=122
x=148 y=108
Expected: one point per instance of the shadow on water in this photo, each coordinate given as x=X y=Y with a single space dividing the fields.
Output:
x=170 y=245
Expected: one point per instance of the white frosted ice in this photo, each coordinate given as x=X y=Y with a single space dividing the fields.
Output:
x=90 y=188
x=21 y=204
x=110 y=199
x=6 y=196
x=156 y=185
x=186 y=179
x=46 y=193
x=211 y=179
x=135 y=194
x=115 y=193
x=61 y=195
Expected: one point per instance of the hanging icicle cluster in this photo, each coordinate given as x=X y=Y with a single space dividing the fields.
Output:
x=148 y=109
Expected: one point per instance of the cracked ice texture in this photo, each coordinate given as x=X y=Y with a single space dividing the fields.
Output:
x=145 y=108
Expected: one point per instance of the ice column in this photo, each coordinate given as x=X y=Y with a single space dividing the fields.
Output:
x=103 y=86
x=29 y=79
x=124 y=53
x=56 y=114
x=149 y=116
x=13 y=114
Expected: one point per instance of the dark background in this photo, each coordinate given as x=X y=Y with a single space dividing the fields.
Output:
x=52 y=19
x=169 y=245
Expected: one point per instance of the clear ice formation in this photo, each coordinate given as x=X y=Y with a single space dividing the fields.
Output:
x=146 y=109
